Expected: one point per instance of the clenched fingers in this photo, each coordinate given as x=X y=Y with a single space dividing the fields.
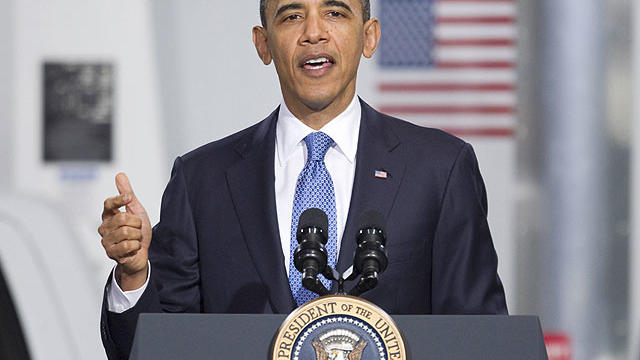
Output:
x=123 y=249
x=121 y=234
x=121 y=219
x=113 y=204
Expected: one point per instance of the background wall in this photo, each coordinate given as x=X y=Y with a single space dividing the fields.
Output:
x=6 y=81
x=55 y=207
x=210 y=71
x=187 y=74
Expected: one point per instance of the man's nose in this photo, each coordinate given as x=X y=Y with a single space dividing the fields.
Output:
x=314 y=30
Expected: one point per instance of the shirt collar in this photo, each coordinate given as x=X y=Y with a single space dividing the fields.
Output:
x=343 y=129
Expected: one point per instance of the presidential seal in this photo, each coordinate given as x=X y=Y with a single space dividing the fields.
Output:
x=338 y=327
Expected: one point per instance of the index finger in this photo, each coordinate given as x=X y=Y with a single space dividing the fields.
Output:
x=113 y=204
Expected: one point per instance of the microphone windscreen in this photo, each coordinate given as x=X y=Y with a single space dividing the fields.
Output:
x=313 y=217
x=371 y=219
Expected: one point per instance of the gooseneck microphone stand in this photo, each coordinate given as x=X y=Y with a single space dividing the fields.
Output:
x=310 y=257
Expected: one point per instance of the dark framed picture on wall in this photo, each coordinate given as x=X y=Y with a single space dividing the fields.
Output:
x=78 y=111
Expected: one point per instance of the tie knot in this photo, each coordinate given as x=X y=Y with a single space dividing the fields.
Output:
x=317 y=145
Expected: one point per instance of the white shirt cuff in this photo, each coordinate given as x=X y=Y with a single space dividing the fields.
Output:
x=119 y=301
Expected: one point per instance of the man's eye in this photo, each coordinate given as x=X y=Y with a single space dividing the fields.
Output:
x=335 y=14
x=292 y=17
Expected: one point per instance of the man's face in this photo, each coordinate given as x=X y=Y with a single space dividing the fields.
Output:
x=316 y=47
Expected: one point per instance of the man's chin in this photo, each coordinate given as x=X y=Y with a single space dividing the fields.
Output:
x=320 y=99
x=317 y=98
x=317 y=104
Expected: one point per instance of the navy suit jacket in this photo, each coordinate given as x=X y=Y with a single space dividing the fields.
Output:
x=217 y=246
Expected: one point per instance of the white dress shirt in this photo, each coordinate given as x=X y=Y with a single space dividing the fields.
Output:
x=290 y=158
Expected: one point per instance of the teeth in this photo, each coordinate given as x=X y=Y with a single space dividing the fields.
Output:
x=318 y=61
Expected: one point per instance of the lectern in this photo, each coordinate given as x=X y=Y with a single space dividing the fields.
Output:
x=337 y=325
x=226 y=336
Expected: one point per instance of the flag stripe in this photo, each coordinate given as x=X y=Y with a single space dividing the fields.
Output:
x=475 y=1
x=474 y=42
x=476 y=20
x=450 y=76
x=474 y=31
x=462 y=120
x=475 y=53
x=408 y=87
x=457 y=98
x=467 y=9
x=445 y=109
x=476 y=64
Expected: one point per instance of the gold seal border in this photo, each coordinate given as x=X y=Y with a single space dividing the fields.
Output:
x=366 y=311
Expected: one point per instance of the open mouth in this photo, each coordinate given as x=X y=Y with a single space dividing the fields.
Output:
x=317 y=62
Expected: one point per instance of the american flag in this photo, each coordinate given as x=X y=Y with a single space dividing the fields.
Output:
x=381 y=174
x=449 y=64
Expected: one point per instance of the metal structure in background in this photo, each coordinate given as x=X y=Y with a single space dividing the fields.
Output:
x=6 y=142
x=634 y=266
x=619 y=100
x=12 y=344
x=573 y=172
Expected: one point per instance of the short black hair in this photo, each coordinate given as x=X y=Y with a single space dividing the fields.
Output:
x=366 y=11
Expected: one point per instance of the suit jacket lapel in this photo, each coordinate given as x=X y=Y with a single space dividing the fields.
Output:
x=251 y=182
x=378 y=149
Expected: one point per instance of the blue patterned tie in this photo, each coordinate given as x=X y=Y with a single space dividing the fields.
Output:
x=313 y=190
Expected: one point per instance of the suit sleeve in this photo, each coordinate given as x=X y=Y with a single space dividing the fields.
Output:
x=174 y=282
x=465 y=278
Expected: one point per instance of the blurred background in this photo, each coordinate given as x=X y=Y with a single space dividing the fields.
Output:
x=544 y=90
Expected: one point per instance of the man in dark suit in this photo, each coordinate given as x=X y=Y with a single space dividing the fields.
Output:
x=223 y=242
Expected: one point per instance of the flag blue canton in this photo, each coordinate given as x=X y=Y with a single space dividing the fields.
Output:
x=408 y=33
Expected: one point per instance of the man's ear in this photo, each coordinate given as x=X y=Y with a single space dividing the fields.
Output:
x=260 y=42
x=371 y=37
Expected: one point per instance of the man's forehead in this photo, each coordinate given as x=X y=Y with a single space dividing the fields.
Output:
x=274 y=4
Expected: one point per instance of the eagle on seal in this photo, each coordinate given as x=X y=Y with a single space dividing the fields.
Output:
x=336 y=354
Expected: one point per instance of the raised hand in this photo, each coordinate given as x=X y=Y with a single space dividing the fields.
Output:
x=126 y=235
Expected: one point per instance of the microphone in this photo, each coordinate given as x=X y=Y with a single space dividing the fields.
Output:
x=370 y=258
x=310 y=257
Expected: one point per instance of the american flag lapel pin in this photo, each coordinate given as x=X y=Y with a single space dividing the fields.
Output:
x=381 y=174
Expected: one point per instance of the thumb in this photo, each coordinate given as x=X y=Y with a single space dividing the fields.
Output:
x=124 y=187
